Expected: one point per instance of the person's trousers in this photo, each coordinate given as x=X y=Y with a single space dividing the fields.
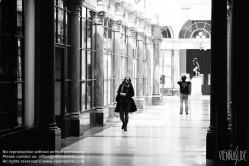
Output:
x=184 y=99
x=124 y=111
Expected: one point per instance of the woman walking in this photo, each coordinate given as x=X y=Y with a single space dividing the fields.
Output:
x=125 y=101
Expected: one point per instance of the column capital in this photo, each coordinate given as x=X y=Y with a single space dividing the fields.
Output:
x=131 y=32
x=148 y=39
x=76 y=5
x=99 y=17
x=141 y=36
x=157 y=40
x=117 y=25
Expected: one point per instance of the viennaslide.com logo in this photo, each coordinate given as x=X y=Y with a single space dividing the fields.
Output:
x=233 y=155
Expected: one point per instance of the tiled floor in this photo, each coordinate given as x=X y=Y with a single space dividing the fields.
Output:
x=157 y=136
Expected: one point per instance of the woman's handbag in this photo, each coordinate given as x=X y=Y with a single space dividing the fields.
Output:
x=117 y=98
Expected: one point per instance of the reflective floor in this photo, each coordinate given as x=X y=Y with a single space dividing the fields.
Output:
x=156 y=136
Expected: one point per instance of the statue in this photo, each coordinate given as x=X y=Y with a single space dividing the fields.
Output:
x=196 y=69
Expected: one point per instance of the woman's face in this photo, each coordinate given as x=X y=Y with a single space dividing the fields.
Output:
x=127 y=80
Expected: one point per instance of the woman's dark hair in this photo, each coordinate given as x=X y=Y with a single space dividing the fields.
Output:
x=125 y=79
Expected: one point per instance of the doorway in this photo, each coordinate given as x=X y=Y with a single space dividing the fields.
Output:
x=204 y=60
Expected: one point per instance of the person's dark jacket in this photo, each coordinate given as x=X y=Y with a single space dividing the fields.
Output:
x=133 y=107
x=124 y=99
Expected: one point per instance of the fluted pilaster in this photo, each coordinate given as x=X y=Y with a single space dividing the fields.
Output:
x=156 y=76
x=149 y=49
x=117 y=53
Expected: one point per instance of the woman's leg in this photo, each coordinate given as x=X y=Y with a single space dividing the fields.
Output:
x=121 y=113
x=126 y=112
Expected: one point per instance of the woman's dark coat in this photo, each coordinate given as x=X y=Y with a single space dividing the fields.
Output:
x=130 y=94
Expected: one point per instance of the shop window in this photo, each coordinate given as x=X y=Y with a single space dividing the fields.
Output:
x=11 y=64
x=88 y=53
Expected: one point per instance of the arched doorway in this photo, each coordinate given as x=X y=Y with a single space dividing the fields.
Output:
x=190 y=30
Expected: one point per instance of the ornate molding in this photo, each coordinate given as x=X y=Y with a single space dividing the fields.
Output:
x=110 y=3
x=118 y=4
x=76 y=5
x=125 y=12
x=131 y=32
x=117 y=25
x=141 y=36
x=99 y=17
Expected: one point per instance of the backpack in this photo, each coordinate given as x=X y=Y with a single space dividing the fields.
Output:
x=184 y=88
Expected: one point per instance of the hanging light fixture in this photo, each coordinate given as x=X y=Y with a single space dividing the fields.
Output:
x=201 y=40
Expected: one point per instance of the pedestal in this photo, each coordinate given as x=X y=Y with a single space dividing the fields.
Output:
x=140 y=103
x=148 y=100
x=156 y=100
x=46 y=139
x=76 y=129
x=196 y=88
x=97 y=118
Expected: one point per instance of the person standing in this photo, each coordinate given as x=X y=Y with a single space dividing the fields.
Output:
x=125 y=94
x=184 y=92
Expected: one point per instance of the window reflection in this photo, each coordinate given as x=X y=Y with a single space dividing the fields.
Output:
x=60 y=4
x=89 y=34
x=19 y=60
x=83 y=65
x=19 y=18
x=89 y=94
x=83 y=96
x=89 y=65
x=60 y=26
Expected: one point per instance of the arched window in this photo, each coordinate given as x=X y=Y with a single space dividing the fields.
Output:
x=192 y=28
x=167 y=32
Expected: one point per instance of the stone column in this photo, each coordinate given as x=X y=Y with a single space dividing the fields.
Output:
x=176 y=71
x=76 y=130
x=240 y=74
x=117 y=57
x=130 y=48
x=140 y=100
x=99 y=72
x=218 y=136
x=47 y=136
x=29 y=62
x=141 y=71
x=148 y=48
x=117 y=69
x=156 y=100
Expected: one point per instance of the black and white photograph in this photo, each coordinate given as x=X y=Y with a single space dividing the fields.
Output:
x=124 y=82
